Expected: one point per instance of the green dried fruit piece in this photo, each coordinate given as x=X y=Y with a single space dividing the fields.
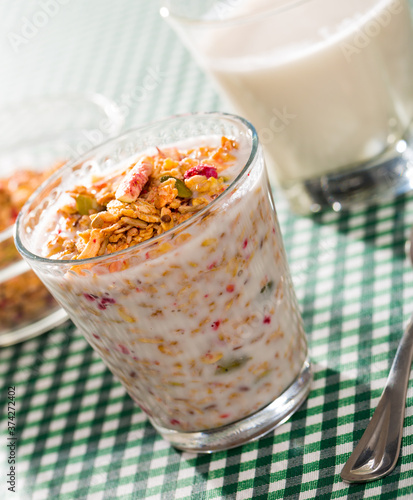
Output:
x=183 y=191
x=166 y=177
x=268 y=287
x=229 y=365
x=84 y=204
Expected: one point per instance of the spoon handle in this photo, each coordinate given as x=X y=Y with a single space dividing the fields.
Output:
x=378 y=450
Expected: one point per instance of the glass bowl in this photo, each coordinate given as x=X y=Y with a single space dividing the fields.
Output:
x=36 y=137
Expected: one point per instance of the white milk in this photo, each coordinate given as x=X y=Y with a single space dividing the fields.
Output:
x=327 y=84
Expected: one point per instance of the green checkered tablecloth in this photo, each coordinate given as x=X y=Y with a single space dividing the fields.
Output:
x=79 y=434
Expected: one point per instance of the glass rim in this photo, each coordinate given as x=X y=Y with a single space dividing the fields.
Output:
x=68 y=166
x=166 y=12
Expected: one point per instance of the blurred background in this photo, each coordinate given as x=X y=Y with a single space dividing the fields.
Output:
x=59 y=46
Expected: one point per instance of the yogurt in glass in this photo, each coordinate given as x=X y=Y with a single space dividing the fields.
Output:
x=177 y=276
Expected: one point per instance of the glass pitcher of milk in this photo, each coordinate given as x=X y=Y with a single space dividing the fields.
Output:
x=328 y=86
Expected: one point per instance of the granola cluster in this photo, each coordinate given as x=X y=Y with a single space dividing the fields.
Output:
x=16 y=189
x=151 y=196
x=23 y=298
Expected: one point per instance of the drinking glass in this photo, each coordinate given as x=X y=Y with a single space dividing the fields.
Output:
x=326 y=84
x=200 y=323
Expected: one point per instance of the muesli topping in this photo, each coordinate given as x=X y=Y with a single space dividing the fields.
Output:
x=151 y=196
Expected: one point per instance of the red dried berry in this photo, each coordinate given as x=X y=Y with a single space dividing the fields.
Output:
x=173 y=421
x=104 y=302
x=267 y=320
x=123 y=349
x=107 y=300
x=14 y=214
x=205 y=170
x=215 y=324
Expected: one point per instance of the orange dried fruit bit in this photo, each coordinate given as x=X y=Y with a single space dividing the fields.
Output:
x=211 y=357
x=228 y=144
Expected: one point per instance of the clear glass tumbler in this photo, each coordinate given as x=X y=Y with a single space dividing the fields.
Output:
x=326 y=84
x=201 y=323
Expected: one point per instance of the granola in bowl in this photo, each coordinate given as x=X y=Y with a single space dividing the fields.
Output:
x=37 y=137
x=23 y=297
x=15 y=190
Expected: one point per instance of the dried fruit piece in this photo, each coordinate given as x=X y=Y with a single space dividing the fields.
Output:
x=131 y=186
x=267 y=288
x=205 y=170
x=231 y=364
x=211 y=357
x=183 y=191
x=85 y=203
x=124 y=315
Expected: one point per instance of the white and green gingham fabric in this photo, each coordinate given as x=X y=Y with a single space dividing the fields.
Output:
x=79 y=436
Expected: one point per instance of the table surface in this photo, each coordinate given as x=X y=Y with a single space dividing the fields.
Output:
x=79 y=434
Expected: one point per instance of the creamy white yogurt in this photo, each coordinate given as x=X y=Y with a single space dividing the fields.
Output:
x=202 y=325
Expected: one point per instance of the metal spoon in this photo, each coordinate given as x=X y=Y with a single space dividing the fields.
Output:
x=378 y=450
